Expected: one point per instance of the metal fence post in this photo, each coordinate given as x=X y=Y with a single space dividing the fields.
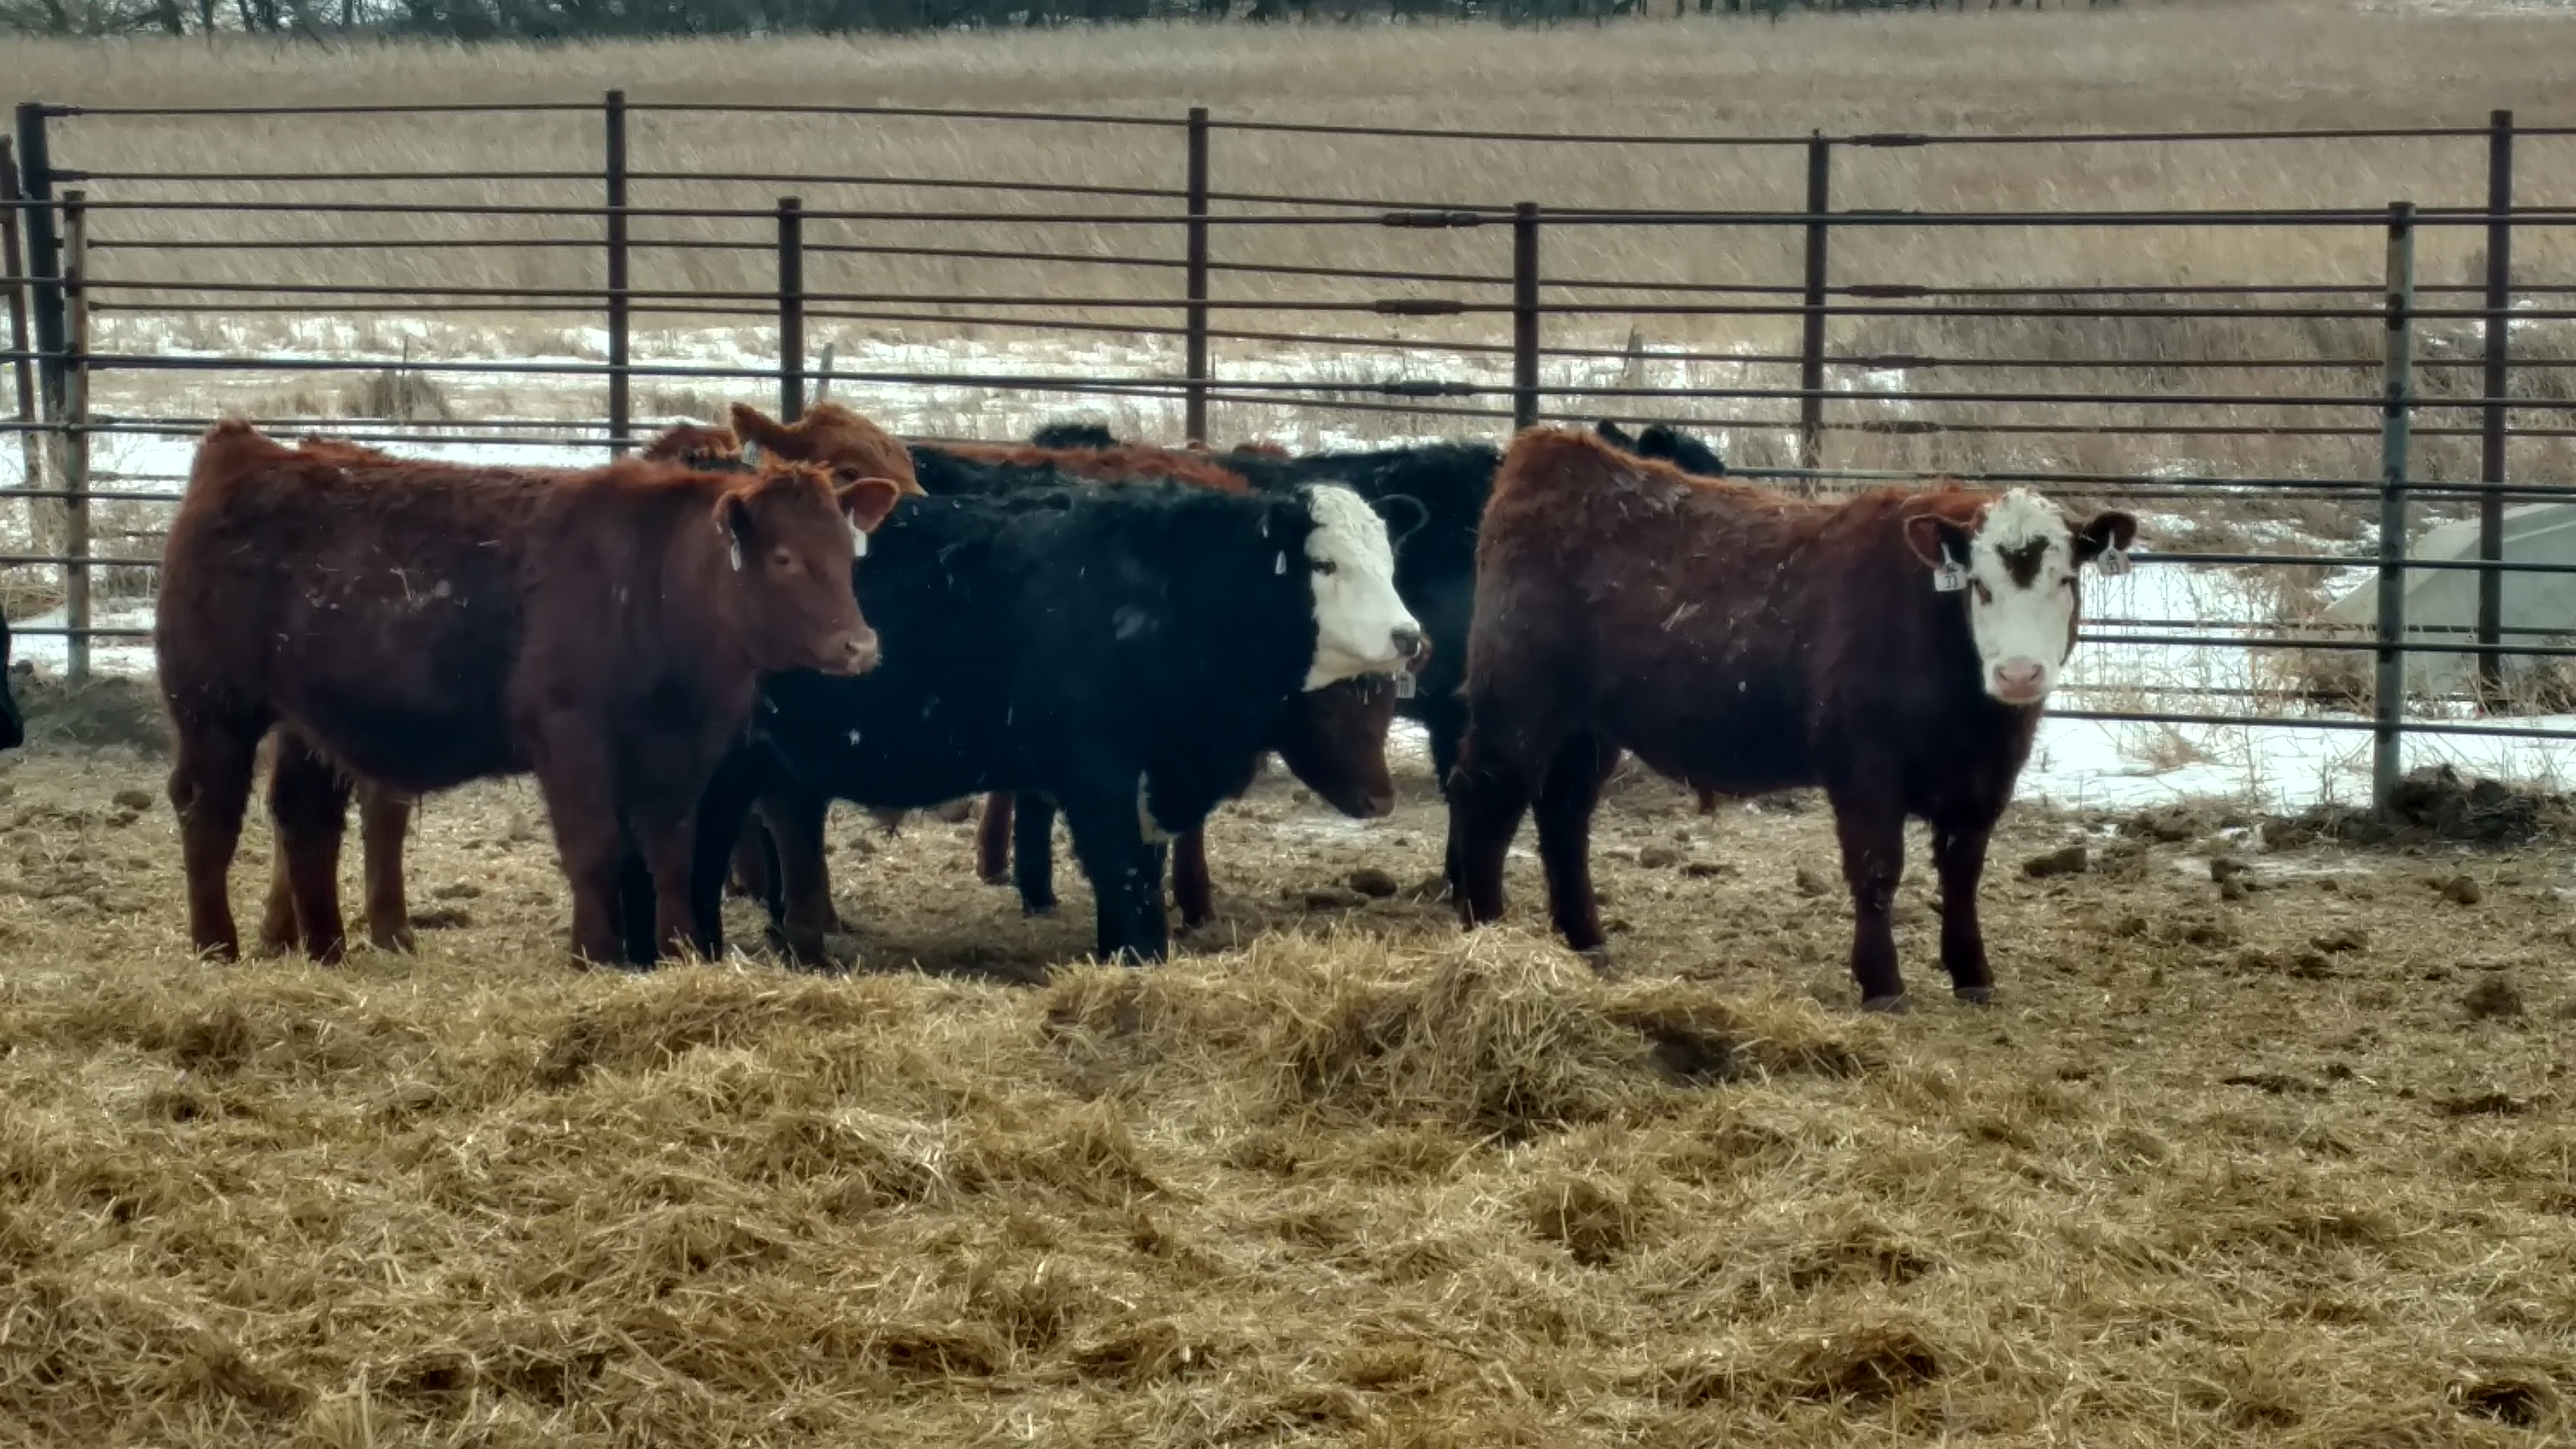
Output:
x=791 y=309
x=13 y=278
x=44 y=257
x=2491 y=461
x=76 y=611
x=1194 y=406
x=621 y=406
x=1811 y=340
x=2396 y=408
x=1524 y=314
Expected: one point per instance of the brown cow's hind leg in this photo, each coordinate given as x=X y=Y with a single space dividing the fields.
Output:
x=1486 y=803
x=384 y=820
x=277 y=933
x=1565 y=803
x=1959 y=855
x=209 y=789
x=993 y=839
x=309 y=798
x=1870 y=823
x=581 y=804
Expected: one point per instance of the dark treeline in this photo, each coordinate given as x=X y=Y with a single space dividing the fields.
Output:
x=471 y=20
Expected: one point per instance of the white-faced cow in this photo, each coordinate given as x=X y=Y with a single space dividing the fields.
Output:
x=1895 y=649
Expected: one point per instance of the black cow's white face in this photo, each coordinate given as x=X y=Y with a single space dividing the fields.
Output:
x=2019 y=564
x=1361 y=626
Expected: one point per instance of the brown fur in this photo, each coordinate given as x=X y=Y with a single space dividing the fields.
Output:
x=833 y=435
x=696 y=443
x=1742 y=642
x=425 y=624
x=1124 y=464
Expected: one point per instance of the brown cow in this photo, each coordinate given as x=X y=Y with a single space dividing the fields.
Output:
x=699 y=445
x=427 y=624
x=829 y=433
x=1895 y=649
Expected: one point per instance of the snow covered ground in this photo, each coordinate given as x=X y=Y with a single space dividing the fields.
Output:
x=994 y=389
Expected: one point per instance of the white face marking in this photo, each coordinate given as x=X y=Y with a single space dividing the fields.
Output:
x=2023 y=630
x=1361 y=626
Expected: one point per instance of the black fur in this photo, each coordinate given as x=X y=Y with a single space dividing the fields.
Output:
x=1069 y=640
x=1074 y=435
x=1671 y=444
x=13 y=725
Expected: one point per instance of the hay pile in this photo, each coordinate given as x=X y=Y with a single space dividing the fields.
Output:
x=2282 y=1165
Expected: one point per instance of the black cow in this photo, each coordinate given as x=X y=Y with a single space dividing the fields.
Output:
x=1123 y=650
x=1074 y=435
x=1671 y=444
x=13 y=725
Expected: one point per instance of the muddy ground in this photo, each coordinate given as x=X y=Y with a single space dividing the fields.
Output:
x=2266 y=1141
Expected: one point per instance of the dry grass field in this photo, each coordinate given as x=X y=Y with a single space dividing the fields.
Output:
x=2287 y=1163
x=2268 y=1141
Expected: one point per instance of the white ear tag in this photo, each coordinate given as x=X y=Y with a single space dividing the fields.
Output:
x=1279 y=565
x=1950 y=577
x=734 y=546
x=858 y=538
x=1404 y=684
x=2113 y=563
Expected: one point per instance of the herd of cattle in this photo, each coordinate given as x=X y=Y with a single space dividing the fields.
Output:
x=695 y=651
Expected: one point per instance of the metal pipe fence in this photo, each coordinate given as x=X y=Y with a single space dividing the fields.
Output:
x=2242 y=406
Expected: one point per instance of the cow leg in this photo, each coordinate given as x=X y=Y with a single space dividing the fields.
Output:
x=1566 y=800
x=751 y=875
x=1126 y=874
x=384 y=820
x=581 y=804
x=724 y=820
x=1870 y=823
x=1489 y=792
x=1959 y=855
x=277 y=933
x=665 y=838
x=210 y=778
x=1033 y=854
x=1190 y=887
x=795 y=817
x=309 y=799
x=993 y=839
x=636 y=907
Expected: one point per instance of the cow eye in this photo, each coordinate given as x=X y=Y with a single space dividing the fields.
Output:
x=783 y=559
x=1324 y=565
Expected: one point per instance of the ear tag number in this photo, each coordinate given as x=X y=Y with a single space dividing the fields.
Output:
x=1949 y=578
x=734 y=546
x=2115 y=562
x=1404 y=684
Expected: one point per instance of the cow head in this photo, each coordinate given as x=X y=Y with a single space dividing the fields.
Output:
x=1334 y=739
x=1361 y=626
x=1668 y=443
x=697 y=445
x=2017 y=563
x=791 y=539
x=13 y=725
x=1073 y=435
x=832 y=435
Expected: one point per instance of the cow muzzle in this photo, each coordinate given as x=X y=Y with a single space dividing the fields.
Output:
x=2019 y=681
x=852 y=653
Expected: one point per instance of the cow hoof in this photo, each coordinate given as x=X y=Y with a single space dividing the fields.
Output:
x=1037 y=908
x=1974 y=995
x=402 y=940
x=1598 y=958
x=1895 y=1005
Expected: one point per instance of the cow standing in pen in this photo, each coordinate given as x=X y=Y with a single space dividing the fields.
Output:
x=426 y=624
x=1124 y=651
x=1895 y=649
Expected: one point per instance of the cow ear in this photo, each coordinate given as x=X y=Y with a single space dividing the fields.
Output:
x=1616 y=436
x=1937 y=541
x=868 y=501
x=2105 y=539
x=754 y=426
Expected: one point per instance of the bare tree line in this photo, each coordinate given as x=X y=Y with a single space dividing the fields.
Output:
x=552 y=20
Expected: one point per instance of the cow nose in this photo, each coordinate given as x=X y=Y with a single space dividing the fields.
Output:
x=860 y=652
x=2018 y=680
x=1408 y=642
x=1379 y=806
